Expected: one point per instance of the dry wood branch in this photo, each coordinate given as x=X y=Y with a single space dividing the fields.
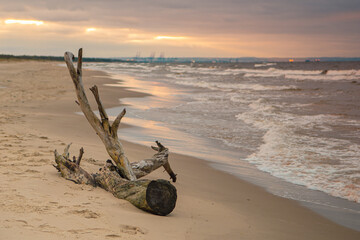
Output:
x=76 y=76
x=146 y=166
x=71 y=170
x=108 y=134
x=102 y=128
x=158 y=196
x=103 y=114
x=116 y=123
x=80 y=156
x=79 y=62
x=166 y=165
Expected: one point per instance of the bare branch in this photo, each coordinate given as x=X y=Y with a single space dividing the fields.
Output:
x=155 y=148
x=66 y=151
x=71 y=171
x=102 y=128
x=170 y=171
x=103 y=115
x=80 y=93
x=159 y=159
x=116 y=123
x=161 y=147
x=68 y=56
x=158 y=197
x=79 y=63
x=80 y=156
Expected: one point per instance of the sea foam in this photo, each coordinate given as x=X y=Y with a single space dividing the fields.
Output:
x=291 y=153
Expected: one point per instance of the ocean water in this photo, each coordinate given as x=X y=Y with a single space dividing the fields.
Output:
x=291 y=121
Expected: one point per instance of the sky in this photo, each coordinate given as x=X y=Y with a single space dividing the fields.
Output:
x=186 y=28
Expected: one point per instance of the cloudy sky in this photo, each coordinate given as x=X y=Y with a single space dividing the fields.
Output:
x=186 y=28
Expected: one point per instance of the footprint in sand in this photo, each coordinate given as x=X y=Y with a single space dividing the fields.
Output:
x=12 y=136
x=43 y=160
x=34 y=154
x=10 y=223
x=112 y=236
x=22 y=221
x=132 y=229
x=109 y=234
x=56 y=205
x=19 y=151
x=32 y=171
x=85 y=213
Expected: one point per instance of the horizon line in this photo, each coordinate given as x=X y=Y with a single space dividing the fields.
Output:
x=132 y=58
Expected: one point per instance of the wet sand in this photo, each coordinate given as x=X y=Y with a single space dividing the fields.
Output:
x=37 y=109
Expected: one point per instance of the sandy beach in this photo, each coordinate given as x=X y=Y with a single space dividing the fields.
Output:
x=37 y=109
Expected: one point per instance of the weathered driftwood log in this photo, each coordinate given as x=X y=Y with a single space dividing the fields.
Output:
x=106 y=132
x=158 y=197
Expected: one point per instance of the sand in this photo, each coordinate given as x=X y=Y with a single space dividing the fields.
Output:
x=37 y=116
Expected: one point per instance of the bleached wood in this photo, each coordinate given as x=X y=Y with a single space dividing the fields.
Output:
x=146 y=166
x=155 y=196
x=101 y=127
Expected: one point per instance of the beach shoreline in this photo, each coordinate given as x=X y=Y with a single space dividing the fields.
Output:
x=38 y=108
x=167 y=98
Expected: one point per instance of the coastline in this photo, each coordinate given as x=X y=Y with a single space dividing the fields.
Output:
x=39 y=107
x=143 y=117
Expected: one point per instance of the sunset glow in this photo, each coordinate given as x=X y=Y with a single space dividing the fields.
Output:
x=184 y=28
x=27 y=22
x=169 y=38
x=90 y=29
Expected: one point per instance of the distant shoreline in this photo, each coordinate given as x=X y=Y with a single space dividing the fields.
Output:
x=182 y=59
x=53 y=58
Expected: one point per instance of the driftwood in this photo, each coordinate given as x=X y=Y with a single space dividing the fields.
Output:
x=157 y=196
x=121 y=179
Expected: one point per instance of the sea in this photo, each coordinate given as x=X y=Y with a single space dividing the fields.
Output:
x=292 y=128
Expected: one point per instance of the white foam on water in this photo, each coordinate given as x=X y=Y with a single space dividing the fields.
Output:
x=223 y=86
x=331 y=75
x=179 y=71
x=289 y=152
x=204 y=71
x=291 y=148
x=264 y=64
